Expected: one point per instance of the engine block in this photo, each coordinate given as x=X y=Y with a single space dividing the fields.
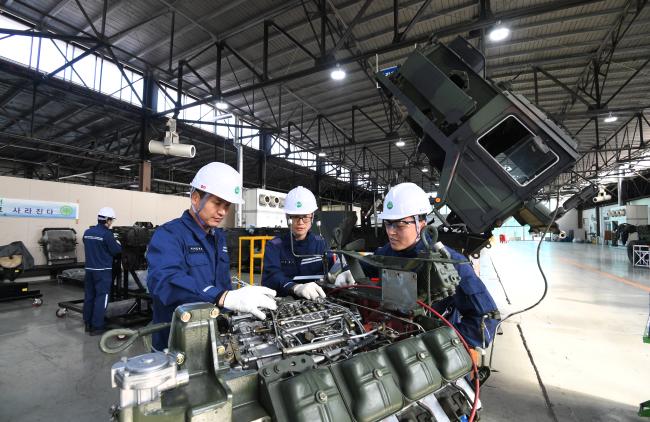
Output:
x=323 y=328
x=307 y=360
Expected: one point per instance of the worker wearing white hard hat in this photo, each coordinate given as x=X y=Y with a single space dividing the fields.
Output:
x=100 y=247
x=404 y=216
x=294 y=262
x=188 y=257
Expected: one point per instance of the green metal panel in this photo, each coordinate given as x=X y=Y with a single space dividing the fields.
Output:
x=444 y=95
x=313 y=396
x=452 y=359
x=368 y=386
x=415 y=369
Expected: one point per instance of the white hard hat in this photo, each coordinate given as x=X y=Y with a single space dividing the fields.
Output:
x=106 y=212
x=300 y=201
x=220 y=180
x=404 y=200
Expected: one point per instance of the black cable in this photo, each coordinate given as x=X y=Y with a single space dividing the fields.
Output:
x=539 y=265
x=541 y=271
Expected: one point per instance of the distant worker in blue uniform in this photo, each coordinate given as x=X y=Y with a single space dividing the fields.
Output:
x=295 y=272
x=404 y=215
x=100 y=247
x=188 y=257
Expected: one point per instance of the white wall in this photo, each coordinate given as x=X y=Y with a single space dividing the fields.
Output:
x=130 y=206
x=589 y=222
x=643 y=201
x=568 y=221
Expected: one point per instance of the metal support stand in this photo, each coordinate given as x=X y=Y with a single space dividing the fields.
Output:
x=641 y=256
x=137 y=312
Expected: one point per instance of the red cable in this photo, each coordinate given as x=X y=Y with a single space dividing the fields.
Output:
x=443 y=319
x=474 y=367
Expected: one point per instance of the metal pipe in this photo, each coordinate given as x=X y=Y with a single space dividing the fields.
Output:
x=239 y=217
x=313 y=346
x=171 y=182
x=74 y=175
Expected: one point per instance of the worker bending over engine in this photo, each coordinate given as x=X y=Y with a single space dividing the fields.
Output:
x=471 y=308
x=188 y=257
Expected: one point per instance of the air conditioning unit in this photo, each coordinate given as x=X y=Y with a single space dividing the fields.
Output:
x=264 y=208
x=264 y=200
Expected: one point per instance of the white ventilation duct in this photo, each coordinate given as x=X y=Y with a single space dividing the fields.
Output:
x=171 y=145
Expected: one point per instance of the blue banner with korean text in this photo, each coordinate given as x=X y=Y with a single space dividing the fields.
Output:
x=10 y=207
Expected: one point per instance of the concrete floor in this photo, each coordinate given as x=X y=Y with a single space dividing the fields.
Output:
x=581 y=347
x=576 y=357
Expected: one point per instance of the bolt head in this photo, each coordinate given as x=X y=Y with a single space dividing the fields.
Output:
x=321 y=396
x=186 y=316
x=180 y=358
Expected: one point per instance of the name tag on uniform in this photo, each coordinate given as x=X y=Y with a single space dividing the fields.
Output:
x=196 y=249
x=286 y=261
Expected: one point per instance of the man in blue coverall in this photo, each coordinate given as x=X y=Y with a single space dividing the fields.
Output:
x=281 y=265
x=404 y=215
x=188 y=258
x=100 y=247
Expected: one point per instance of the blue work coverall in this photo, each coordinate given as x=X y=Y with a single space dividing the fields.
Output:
x=186 y=265
x=281 y=266
x=100 y=247
x=465 y=308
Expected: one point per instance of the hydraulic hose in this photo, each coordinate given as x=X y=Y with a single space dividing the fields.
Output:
x=130 y=336
x=449 y=324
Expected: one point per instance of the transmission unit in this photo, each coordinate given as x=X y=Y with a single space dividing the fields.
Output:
x=493 y=148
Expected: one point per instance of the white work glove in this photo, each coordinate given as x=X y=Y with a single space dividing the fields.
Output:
x=250 y=299
x=344 y=279
x=309 y=291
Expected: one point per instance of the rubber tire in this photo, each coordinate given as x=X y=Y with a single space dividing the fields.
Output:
x=61 y=312
x=37 y=302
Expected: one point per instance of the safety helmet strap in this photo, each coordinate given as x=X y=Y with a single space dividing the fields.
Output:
x=202 y=203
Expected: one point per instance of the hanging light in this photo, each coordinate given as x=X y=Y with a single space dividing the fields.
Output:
x=221 y=105
x=400 y=143
x=425 y=170
x=338 y=73
x=610 y=118
x=322 y=154
x=499 y=33
x=366 y=175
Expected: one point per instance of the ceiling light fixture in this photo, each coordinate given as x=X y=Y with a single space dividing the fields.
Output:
x=221 y=105
x=338 y=73
x=425 y=170
x=366 y=175
x=610 y=118
x=322 y=154
x=499 y=33
x=400 y=143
